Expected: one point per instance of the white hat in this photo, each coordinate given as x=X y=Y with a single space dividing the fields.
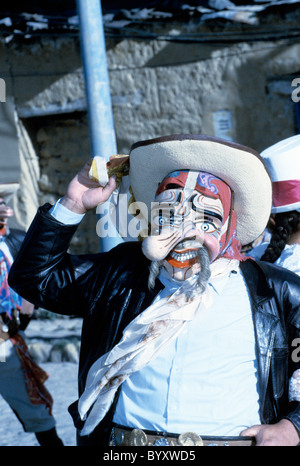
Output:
x=283 y=162
x=240 y=167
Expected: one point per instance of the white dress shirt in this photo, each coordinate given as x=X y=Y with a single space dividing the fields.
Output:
x=205 y=381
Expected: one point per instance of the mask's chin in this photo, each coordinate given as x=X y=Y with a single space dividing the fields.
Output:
x=181 y=273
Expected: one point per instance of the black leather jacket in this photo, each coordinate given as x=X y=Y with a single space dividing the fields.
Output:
x=109 y=289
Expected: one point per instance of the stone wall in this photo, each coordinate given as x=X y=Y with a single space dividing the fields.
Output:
x=62 y=144
x=157 y=88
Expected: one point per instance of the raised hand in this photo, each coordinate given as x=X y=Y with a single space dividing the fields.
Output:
x=84 y=194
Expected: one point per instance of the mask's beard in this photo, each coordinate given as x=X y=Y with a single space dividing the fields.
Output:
x=202 y=278
x=154 y=271
x=205 y=272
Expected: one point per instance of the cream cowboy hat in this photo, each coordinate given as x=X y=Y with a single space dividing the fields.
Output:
x=240 y=167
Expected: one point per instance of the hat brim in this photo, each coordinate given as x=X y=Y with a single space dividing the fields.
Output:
x=240 y=167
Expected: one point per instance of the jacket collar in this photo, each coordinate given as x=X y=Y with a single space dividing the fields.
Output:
x=257 y=283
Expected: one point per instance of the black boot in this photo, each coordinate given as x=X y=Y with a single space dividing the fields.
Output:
x=49 y=438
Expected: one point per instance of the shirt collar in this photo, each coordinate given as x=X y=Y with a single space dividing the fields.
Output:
x=216 y=283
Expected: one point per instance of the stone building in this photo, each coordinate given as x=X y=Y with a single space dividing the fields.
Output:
x=230 y=69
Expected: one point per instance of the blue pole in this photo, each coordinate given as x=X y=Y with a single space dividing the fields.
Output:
x=99 y=108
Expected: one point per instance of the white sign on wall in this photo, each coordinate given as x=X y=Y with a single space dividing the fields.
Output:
x=223 y=126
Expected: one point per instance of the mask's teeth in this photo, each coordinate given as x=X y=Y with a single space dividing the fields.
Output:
x=183 y=257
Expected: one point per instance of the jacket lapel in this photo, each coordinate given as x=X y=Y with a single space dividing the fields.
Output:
x=265 y=321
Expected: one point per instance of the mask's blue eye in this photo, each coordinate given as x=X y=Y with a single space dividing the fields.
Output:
x=208 y=227
x=159 y=220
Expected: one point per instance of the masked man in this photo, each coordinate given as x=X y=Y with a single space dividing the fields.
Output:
x=185 y=341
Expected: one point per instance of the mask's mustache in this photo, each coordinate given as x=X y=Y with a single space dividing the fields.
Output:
x=205 y=272
x=203 y=276
x=190 y=243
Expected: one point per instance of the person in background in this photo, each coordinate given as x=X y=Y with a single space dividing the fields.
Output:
x=283 y=248
x=21 y=379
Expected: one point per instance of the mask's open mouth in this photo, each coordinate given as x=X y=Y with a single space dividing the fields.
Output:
x=185 y=253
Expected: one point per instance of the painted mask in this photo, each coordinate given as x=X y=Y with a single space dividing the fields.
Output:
x=191 y=209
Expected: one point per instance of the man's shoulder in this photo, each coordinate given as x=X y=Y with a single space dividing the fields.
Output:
x=128 y=253
x=272 y=274
x=278 y=272
x=125 y=262
x=128 y=247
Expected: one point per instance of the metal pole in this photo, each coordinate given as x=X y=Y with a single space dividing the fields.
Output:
x=100 y=116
